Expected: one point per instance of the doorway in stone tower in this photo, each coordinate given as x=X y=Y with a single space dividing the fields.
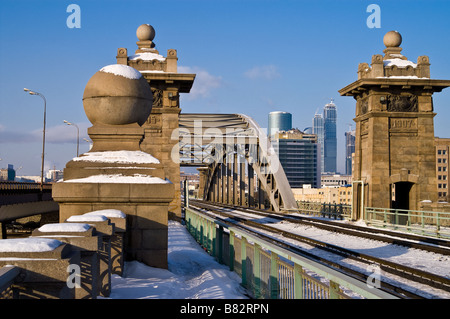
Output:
x=401 y=198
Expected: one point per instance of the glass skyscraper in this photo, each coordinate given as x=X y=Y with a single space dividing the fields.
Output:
x=330 y=139
x=318 y=130
x=299 y=156
x=279 y=121
x=349 y=150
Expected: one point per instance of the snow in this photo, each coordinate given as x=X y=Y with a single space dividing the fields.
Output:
x=122 y=70
x=88 y=218
x=400 y=77
x=192 y=274
x=122 y=157
x=64 y=227
x=399 y=63
x=154 y=71
x=119 y=178
x=110 y=213
x=31 y=244
x=414 y=258
x=147 y=56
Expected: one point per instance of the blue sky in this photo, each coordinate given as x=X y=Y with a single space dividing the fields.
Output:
x=250 y=57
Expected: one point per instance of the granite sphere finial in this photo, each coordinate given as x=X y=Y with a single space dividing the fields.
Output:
x=145 y=32
x=392 y=39
x=117 y=95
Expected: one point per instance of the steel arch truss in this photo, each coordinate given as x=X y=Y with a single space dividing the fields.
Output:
x=241 y=166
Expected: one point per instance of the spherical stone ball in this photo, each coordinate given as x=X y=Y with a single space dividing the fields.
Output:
x=116 y=95
x=392 y=39
x=145 y=32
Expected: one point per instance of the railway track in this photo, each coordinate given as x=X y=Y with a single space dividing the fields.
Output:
x=436 y=245
x=397 y=272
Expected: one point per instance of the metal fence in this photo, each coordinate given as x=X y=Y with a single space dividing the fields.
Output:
x=269 y=271
x=327 y=210
x=427 y=223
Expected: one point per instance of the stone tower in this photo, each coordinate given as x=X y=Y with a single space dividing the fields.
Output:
x=394 y=142
x=166 y=84
x=116 y=173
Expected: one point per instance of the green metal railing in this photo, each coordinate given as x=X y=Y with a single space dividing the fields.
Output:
x=426 y=223
x=327 y=210
x=270 y=271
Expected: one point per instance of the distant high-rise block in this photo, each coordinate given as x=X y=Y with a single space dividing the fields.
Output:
x=299 y=156
x=330 y=140
x=318 y=130
x=349 y=150
x=442 y=168
x=279 y=121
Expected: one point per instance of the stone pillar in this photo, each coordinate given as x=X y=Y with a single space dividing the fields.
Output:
x=394 y=146
x=161 y=137
x=203 y=177
x=116 y=173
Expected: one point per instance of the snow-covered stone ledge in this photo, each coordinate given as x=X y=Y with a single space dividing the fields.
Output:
x=43 y=263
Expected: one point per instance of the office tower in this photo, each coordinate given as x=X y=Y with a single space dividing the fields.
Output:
x=318 y=130
x=442 y=168
x=8 y=174
x=299 y=156
x=349 y=150
x=279 y=121
x=330 y=140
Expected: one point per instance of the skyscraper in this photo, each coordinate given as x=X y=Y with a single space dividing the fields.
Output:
x=299 y=156
x=318 y=130
x=279 y=121
x=330 y=140
x=349 y=150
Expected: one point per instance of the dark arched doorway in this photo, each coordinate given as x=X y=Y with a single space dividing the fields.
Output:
x=401 y=200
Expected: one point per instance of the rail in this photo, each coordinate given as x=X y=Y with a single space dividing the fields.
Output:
x=8 y=187
x=8 y=275
x=426 y=223
x=271 y=271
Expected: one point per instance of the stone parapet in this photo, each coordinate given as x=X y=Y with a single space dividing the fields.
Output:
x=104 y=230
x=44 y=265
x=81 y=237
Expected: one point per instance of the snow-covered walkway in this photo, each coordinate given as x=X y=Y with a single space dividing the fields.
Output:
x=192 y=274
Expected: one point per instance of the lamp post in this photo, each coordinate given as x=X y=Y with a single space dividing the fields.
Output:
x=43 y=133
x=78 y=135
x=90 y=143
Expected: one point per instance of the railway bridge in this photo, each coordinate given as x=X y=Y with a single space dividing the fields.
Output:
x=138 y=148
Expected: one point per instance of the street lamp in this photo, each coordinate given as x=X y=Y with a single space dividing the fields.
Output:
x=43 y=133
x=90 y=143
x=78 y=135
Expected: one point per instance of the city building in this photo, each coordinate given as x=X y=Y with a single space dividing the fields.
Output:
x=54 y=175
x=330 y=139
x=327 y=195
x=317 y=129
x=299 y=156
x=335 y=180
x=279 y=121
x=349 y=150
x=8 y=174
x=442 y=168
